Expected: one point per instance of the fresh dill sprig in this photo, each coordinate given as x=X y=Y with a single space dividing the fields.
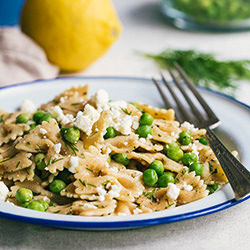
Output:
x=71 y=147
x=204 y=69
x=124 y=110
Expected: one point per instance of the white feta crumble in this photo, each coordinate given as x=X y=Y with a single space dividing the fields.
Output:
x=142 y=140
x=115 y=191
x=150 y=136
x=43 y=131
x=173 y=191
x=101 y=192
x=45 y=198
x=28 y=106
x=189 y=126
x=3 y=191
x=125 y=125
x=137 y=211
x=57 y=113
x=188 y=188
x=135 y=122
x=88 y=205
x=121 y=214
x=73 y=161
x=46 y=169
x=194 y=149
x=57 y=147
x=101 y=99
x=86 y=119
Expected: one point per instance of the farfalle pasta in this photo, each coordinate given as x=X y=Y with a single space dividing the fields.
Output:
x=84 y=156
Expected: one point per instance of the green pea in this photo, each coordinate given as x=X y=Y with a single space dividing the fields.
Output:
x=110 y=133
x=189 y=158
x=169 y=145
x=121 y=158
x=45 y=118
x=25 y=204
x=40 y=161
x=150 y=177
x=185 y=138
x=36 y=205
x=203 y=141
x=144 y=131
x=64 y=176
x=45 y=205
x=146 y=119
x=212 y=188
x=174 y=153
x=57 y=186
x=24 y=195
x=157 y=166
x=71 y=135
x=22 y=118
x=37 y=116
x=166 y=178
x=197 y=167
x=32 y=126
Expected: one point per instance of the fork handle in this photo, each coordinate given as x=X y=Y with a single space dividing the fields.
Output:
x=237 y=174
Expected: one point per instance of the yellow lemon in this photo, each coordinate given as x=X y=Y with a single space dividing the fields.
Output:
x=73 y=33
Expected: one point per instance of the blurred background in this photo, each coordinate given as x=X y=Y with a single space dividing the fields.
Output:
x=42 y=39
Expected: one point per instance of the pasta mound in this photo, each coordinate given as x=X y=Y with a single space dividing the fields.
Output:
x=97 y=180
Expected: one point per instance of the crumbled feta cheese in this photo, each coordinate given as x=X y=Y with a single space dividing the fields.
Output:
x=188 y=188
x=101 y=99
x=137 y=211
x=142 y=140
x=150 y=136
x=3 y=191
x=45 y=198
x=125 y=143
x=135 y=122
x=115 y=191
x=125 y=125
x=118 y=104
x=46 y=169
x=189 y=126
x=73 y=161
x=28 y=106
x=101 y=192
x=121 y=214
x=173 y=191
x=86 y=119
x=57 y=113
x=194 y=149
x=43 y=131
x=57 y=147
x=88 y=205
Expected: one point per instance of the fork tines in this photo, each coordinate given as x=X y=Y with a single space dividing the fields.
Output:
x=190 y=105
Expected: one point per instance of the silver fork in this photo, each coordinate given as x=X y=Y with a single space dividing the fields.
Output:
x=237 y=174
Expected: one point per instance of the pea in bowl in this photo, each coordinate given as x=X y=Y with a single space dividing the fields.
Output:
x=223 y=15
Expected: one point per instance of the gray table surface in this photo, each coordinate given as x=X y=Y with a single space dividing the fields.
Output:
x=229 y=229
x=145 y=30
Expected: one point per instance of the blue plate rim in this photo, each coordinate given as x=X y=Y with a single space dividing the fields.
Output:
x=129 y=223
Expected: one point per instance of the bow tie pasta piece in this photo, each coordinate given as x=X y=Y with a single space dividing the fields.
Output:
x=165 y=114
x=192 y=187
x=148 y=158
x=10 y=130
x=21 y=175
x=120 y=144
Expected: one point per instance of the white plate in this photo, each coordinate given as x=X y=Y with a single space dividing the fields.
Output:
x=234 y=115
